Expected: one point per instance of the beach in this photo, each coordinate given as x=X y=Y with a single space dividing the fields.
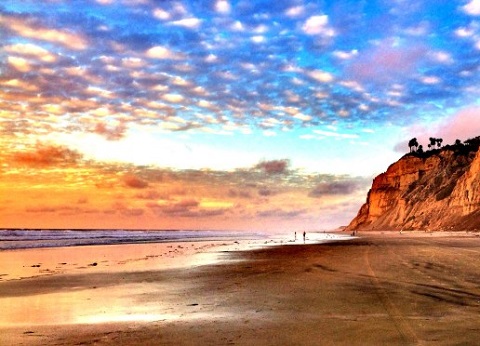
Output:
x=377 y=289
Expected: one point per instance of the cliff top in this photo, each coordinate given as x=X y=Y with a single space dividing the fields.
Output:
x=459 y=148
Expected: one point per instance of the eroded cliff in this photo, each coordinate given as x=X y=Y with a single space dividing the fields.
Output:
x=437 y=190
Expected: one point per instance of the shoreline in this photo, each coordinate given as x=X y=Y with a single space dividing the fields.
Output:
x=20 y=264
x=375 y=289
x=23 y=263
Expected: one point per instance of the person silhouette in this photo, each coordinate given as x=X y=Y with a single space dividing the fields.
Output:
x=304 y=235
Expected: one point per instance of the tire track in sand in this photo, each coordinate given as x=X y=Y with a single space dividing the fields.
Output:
x=402 y=326
x=440 y=243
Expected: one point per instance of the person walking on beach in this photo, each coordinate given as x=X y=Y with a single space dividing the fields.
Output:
x=304 y=235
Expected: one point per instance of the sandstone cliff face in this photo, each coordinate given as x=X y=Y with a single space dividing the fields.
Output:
x=440 y=191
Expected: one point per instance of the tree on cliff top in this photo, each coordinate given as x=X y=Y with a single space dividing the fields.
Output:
x=435 y=142
x=473 y=142
x=413 y=143
x=468 y=146
x=439 y=141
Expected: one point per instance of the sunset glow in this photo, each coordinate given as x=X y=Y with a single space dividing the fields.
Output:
x=243 y=115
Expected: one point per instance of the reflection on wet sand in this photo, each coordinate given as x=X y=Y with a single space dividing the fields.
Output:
x=100 y=284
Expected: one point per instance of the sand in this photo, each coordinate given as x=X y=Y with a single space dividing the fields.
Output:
x=378 y=289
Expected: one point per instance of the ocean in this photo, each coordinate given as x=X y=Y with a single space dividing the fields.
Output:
x=34 y=238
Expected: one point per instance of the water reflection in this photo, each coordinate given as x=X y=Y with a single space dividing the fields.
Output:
x=64 y=302
x=112 y=304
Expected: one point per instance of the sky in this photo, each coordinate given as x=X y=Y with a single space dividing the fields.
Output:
x=222 y=114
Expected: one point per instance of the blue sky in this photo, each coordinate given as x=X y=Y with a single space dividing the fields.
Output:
x=333 y=88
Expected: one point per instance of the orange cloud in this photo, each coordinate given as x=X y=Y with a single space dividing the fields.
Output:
x=274 y=166
x=135 y=182
x=94 y=195
x=19 y=64
x=47 y=155
x=181 y=207
x=151 y=195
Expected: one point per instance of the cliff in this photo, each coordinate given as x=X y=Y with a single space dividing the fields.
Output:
x=436 y=190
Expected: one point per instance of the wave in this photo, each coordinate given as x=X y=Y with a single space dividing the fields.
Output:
x=34 y=238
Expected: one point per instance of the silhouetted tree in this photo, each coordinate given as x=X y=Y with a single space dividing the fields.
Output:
x=420 y=149
x=474 y=143
x=432 y=142
x=458 y=142
x=412 y=143
x=439 y=142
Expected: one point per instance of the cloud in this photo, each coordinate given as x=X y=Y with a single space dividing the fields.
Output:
x=223 y=6
x=124 y=210
x=343 y=55
x=387 y=61
x=468 y=31
x=442 y=57
x=205 y=213
x=321 y=76
x=188 y=208
x=333 y=188
x=110 y=133
x=161 y=14
x=207 y=105
x=132 y=212
x=161 y=52
x=31 y=50
x=318 y=25
x=47 y=155
x=131 y=180
x=20 y=84
x=265 y=192
x=237 y=193
x=133 y=63
x=274 y=166
x=82 y=200
x=181 y=207
x=431 y=80
x=280 y=213
x=20 y=64
x=295 y=11
x=151 y=195
x=191 y=23
x=173 y=98
x=258 y=39
x=33 y=30
x=335 y=134
x=303 y=117
x=62 y=209
x=472 y=8
x=284 y=71
x=41 y=209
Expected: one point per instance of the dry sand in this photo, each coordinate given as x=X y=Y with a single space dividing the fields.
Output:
x=379 y=289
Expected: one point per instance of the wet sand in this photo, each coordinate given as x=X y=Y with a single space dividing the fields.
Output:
x=379 y=289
